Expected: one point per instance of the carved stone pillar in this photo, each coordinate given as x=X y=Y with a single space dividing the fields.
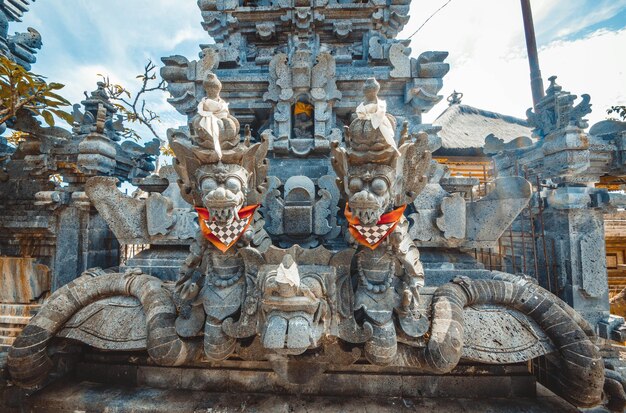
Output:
x=576 y=259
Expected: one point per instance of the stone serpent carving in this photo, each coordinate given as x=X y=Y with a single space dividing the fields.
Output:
x=581 y=374
x=28 y=361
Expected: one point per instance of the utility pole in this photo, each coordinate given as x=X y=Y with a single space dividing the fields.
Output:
x=536 y=82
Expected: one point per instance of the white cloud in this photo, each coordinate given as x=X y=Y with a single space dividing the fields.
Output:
x=593 y=65
x=488 y=56
x=485 y=40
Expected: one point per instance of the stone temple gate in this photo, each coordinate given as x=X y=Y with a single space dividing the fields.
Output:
x=304 y=242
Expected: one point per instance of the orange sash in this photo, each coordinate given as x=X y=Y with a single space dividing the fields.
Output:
x=374 y=235
x=232 y=231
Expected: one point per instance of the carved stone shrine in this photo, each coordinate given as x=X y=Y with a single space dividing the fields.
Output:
x=304 y=242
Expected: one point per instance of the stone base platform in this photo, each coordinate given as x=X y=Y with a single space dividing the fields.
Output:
x=129 y=382
x=71 y=397
x=358 y=380
x=13 y=318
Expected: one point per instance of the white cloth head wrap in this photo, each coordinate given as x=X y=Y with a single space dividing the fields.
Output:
x=376 y=113
x=212 y=111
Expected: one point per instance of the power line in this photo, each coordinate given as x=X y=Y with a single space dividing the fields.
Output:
x=431 y=16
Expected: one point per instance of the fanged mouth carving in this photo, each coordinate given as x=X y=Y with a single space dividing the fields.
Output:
x=367 y=216
x=223 y=215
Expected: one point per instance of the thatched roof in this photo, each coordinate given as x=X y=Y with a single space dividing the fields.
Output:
x=464 y=129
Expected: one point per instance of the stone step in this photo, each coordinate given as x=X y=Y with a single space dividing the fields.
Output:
x=6 y=341
x=20 y=310
x=67 y=396
x=12 y=320
x=10 y=331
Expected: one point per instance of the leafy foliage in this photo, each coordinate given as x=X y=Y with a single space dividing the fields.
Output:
x=16 y=137
x=21 y=89
x=620 y=111
x=167 y=150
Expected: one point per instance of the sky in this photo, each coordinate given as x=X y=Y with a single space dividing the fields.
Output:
x=583 y=42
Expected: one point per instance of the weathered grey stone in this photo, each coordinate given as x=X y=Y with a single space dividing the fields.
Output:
x=565 y=162
x=488 y=217
x=558 y=112
x=485 y=328
x=125 y=215
x=117 y=323
x=452 y=219
x=271 y=319
x=304 y=213
x=400 y=60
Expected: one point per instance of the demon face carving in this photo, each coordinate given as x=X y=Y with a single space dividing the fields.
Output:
x=223 y=189
x=224 y=179
x=369 y=189
x=293 y=306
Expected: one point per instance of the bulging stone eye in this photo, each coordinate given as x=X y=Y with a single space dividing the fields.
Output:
x=379 y=186
x=233 y=185
x=356 y=184
x=208 y=185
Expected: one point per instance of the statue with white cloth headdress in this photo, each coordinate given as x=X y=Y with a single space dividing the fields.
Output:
x=373 y=129
x=214 y=127
x=379 y=180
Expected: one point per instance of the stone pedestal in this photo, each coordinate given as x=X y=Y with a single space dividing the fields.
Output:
x=576 y=260
x=470 y=380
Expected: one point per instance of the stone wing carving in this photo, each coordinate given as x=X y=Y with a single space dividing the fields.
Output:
x=496 y=335
x=141 y=221
x=280 y=75
x=126 y=215
x=416 y=161
x=273 y=207
x=487 y=218
x=322 y=81
x=254 y=161
x=326 y=208
x=116 y=323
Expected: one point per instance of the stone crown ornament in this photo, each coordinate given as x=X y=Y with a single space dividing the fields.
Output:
x=372 y=122
x=372 y=172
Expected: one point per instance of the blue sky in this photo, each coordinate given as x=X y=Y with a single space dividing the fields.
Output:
x=581 y=41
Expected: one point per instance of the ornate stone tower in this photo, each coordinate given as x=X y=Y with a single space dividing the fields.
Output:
x=293 y=71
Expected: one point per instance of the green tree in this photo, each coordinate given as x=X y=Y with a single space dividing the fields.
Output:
x=24 y=90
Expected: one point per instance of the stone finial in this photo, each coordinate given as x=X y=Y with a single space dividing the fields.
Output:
x=455 y=98
x=373 y=130
x=554 y=87
x=212 y=86
x=556 y=111
x=371 y=87
x=100 y=92
x=287 y=274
